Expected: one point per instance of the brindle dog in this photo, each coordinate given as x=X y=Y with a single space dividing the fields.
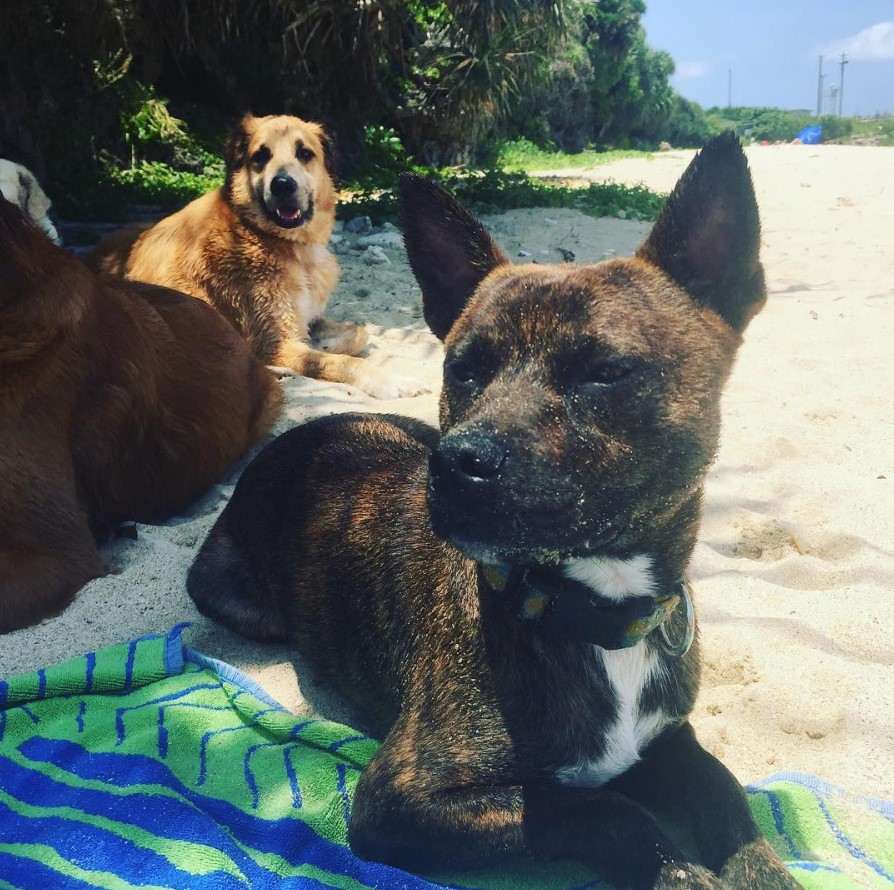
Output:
x=508 y=603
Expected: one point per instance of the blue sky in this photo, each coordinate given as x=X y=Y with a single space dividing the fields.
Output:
x=773 y=49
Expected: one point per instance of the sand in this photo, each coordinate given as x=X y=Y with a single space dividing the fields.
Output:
x=794 y=570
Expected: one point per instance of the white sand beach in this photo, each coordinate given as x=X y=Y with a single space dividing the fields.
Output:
x=794 y=572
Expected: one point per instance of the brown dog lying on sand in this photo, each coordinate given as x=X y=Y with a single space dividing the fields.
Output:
x=257 y=250
x=118 y=401
x=507 y=602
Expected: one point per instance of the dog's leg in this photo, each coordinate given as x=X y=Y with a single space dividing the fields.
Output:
x=40 y=584
x=372 y=380
x=41 y=572
x=411 y=817
x=224 y=586
x=47 y=551
x=470 y=827
x=343 y=337
x=681 y=781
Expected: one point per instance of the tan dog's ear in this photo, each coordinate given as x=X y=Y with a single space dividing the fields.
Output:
x=236 y=144
x=328 y=145
x=329 y=154
x=707 y=238
x=450 y=252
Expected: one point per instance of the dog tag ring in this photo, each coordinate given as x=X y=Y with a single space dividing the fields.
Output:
x=681 y=646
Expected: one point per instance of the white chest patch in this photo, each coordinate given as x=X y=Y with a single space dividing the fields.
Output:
x=628 y=671
x=614 y=578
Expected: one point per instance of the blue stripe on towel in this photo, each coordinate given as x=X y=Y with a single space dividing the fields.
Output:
x=189 y=816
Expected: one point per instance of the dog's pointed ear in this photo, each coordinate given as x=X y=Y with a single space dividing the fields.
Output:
x=236 y=144
x=450 y=252
x=707 y=237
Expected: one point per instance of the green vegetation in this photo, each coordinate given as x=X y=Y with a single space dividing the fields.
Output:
x=111 y=101
x=372 y=191
x=523 y=155
x=153 y=182
x=606 y=86
x=775 y=124
x=115 y=102
x=502 y=185
x=493 y=190
x=873 y=131
x=496 y=189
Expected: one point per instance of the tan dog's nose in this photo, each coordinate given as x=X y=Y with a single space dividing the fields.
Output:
x=282 y=186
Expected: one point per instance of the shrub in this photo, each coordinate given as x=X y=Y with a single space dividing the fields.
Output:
x=493 y=190
x=776 y=124
x=154 y=182
x=688 y=126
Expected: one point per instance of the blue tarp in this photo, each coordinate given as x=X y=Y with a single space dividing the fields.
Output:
x=811 y=135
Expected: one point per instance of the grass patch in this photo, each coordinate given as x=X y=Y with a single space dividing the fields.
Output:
x=490 y=191
x=873 y=131
x=153 y=182
x=374 y=194
x=522 y=156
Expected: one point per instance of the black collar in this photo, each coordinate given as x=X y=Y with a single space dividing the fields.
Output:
x=567 y=609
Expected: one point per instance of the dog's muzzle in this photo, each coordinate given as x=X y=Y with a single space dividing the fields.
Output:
x=465 y=472
x=287 y=205
x=483 y=500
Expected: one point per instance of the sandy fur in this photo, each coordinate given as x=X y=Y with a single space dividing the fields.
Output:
x=271 y=283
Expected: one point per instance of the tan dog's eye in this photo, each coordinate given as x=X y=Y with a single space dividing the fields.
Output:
x=260 y=157
x=304 y=154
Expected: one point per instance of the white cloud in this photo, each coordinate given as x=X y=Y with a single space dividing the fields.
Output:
x=875 y=42
x=691 y=70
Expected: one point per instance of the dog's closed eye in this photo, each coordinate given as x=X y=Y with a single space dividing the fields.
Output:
x=464 y=373
x=605 y=372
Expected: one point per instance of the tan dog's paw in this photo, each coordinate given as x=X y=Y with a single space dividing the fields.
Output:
x=382 y=385
x=345 y=337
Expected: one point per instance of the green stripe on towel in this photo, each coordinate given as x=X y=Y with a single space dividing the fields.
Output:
x=149 y=762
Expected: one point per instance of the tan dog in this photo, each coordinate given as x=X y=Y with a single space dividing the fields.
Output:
x=256 y=249
x=118 y=401
x=20 y=187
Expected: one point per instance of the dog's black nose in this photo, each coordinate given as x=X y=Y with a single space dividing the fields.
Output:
x=471 y=457
x=281 y=186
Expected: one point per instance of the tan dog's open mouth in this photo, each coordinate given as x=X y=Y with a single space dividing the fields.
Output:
x=288 y=215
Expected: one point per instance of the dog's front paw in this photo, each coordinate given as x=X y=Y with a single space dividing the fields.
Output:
x=391 y=386
x=686 y=876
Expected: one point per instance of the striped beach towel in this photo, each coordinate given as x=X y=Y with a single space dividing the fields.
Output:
x=150 y=765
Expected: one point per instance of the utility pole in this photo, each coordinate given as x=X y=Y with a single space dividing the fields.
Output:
x=841 y=84
x=819 y=90
x=729 y=89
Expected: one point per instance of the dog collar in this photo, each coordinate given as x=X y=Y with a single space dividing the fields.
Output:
x=562 y=607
